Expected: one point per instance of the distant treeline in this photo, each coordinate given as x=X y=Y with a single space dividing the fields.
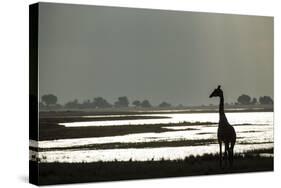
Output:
x=51 y=101
x=246 y=100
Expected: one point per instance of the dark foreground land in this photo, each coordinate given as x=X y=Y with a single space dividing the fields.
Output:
x=62 y=173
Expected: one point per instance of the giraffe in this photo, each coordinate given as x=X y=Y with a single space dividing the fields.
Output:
x=226 y=133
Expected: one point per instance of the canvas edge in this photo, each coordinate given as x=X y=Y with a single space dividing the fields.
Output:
x=33 y=86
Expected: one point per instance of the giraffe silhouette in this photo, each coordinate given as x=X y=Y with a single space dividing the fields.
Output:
x=226 y=133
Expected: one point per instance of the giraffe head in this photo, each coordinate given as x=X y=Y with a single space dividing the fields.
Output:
x=217 y=92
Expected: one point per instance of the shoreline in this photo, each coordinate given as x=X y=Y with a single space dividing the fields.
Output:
x=53 y=131
x=49 y=128
x=62 y=173
x=142 y=111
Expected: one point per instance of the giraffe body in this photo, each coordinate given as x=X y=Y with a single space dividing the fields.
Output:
x=226 y=133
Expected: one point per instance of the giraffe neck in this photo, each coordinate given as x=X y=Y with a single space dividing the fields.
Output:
x=221 y=110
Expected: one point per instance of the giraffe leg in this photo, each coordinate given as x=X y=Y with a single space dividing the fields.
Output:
x=226 y=153
x=230 y=157
x=220 y=154
x=231 y=154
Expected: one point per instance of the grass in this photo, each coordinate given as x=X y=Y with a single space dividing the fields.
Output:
x=50 y=130
x=119 y=145
x=61 y=173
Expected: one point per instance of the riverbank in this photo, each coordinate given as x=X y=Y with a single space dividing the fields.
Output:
x=50 y=124
x=52 y=131
x=61 y=173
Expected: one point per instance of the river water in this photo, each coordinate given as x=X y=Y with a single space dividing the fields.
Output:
x=254 y=131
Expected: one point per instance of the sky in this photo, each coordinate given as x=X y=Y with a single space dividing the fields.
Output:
x=159 y=55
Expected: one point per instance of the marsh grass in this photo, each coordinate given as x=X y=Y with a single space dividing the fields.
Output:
x=56 y=173
x=50 y=130
x=119 y=145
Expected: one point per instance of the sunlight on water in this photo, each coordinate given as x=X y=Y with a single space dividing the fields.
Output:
x=179 y=127
x=265 y=135
x=254 y=131
x=130 y=138
x=144 y=154
x=233 y=118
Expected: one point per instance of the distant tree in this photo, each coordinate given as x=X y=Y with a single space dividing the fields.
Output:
x=244 y=99
x=136 y=103
x=265 y=100
x=58 y=106
x=122 y=102
x=164 y=105
x=87 y=104
x=100 y=102
x=72 y=104
x=49 y=99
x=145 y=104
x=254 y=101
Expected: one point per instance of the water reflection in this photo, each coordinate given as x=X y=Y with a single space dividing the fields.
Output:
x=246 y=136
x=233 y=118
x=254 y=131
x=144 y=154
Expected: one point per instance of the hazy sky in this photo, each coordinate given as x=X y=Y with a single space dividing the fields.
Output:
x=179 y=57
